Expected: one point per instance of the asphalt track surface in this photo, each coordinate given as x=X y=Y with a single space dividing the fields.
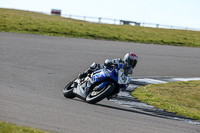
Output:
x=34 y=70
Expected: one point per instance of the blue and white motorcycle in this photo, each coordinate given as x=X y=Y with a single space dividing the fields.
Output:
x=103 y=83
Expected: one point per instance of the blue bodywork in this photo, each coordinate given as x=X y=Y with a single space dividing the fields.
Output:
x=106 y=75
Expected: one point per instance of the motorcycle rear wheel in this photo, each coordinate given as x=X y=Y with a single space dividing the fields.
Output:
x=96 y=96
x=68 y=91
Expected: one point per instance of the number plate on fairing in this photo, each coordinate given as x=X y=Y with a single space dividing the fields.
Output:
x=122 y=79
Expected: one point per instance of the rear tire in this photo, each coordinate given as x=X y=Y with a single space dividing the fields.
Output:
x=106 y=91
x=68 y=91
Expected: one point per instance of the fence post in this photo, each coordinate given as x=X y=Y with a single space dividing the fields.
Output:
x=100 y=20
x=114 y=21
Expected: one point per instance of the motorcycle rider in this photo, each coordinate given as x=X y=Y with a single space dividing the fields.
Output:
x=128 y=62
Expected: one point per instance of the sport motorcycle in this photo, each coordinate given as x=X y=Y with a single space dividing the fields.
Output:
x=103 y=83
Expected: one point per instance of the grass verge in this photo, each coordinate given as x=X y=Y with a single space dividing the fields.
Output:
x=11 y=128
x=36 y=23
x=182 y=98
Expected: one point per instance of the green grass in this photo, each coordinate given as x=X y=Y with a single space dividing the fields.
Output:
x=182 y=98
x=11 y=128
x=36 y=23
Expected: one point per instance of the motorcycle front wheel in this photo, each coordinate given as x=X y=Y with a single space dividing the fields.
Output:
x=68 y=91
x=97 y=95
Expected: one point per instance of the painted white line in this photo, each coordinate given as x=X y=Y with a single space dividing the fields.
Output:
x=149 y=81
x=185 y=79
x=134 y=104
x=124 y=94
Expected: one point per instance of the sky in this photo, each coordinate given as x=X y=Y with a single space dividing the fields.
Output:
x=183 y=13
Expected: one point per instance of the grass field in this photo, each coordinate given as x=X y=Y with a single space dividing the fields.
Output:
x=182 y=98
x=11 y=128
x=36 y=23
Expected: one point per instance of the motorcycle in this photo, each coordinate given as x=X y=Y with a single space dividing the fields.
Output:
x=103 y=83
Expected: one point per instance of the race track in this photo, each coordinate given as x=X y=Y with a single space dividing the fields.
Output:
x=34 y=69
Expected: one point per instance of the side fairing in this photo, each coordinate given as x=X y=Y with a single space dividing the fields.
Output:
x=101 y=75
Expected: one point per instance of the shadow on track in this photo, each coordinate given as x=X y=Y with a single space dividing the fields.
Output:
x=163 y=114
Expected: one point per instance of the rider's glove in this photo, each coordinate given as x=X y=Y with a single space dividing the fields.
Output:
x=108 y=63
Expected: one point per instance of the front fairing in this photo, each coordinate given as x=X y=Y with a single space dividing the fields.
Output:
x=116 y=74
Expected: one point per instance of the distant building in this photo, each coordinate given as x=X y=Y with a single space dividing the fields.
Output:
x=55 y=12
x=124 y=22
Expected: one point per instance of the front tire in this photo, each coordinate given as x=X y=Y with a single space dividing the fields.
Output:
x=68 y=91
x=96 y=96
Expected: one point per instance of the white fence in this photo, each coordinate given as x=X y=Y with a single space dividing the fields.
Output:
x=119 y=22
